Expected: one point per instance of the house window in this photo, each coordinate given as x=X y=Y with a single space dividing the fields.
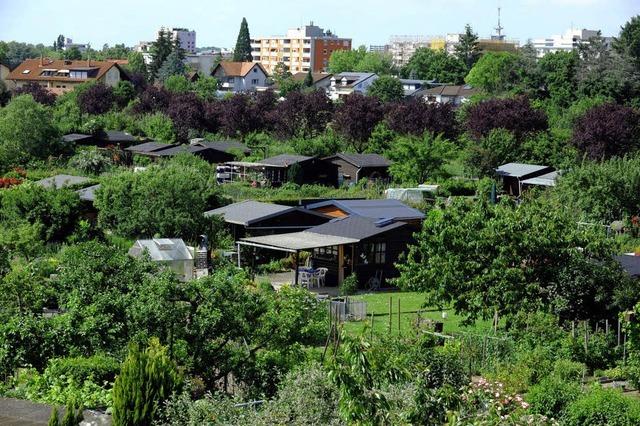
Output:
x=254 y=81
x=374 y=253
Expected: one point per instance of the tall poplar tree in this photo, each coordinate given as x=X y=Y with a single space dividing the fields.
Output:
x=243 y=44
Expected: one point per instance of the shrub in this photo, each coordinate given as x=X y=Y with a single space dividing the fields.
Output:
x=91 y=161
x=568 y=371
x=98 y=368
x=551 y=397
x=515 y=115
x=349 y=285
x=148 y=377
x=603 y=407
x=96 y=99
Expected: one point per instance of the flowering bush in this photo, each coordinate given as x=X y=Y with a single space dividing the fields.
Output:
x=7 y=182
x=486 y=402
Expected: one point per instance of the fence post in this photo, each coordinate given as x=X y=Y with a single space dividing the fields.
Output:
x=618 y=331
x=606 y=327
x=390 y=312
x=371 y=327
x=398 y=316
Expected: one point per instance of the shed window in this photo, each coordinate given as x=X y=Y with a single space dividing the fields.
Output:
x=326 y=253
x=374 y=253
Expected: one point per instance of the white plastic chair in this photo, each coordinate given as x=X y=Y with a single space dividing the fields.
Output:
x=319 y=275
x=305 y=279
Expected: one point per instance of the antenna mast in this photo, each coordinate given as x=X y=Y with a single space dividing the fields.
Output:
x=499 y=28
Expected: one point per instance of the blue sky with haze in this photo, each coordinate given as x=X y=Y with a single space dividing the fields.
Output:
x=365 y=21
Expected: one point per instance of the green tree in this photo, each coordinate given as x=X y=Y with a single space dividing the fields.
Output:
x=147 y=379
x=628 y=41
x=184 y=188
x=386 y=88
x=242 y=52
x=26 y=132
x=467 y=48
x=308 y=79
x=417 y=159
x=376 y=62
x=558 y=72
x=172 y=66
x=206 y=88
x=346 y=60
x=158 y=127
x=496 y=72
x=124 y=92
x=160 y=50
x=488 y=260
x=427 y=64
x=176 y=83
x=66 y=114
x=59 y=43
x=137 y=64
x=73 y=54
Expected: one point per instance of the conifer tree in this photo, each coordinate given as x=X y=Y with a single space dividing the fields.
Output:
x=146 y=379
x=308 y=80
x=243 y=44
x=160 y=50
x=467 y=48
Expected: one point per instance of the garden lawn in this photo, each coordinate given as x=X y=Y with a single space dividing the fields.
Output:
x=410 y=304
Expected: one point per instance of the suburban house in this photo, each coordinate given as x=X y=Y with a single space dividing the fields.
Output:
x=321 y=80
x=256 y=218
x=61 y=75
x=4 y=74
x=347 y=83
x=240 y=76
x=515 y=175
x=170 y=252
x=446 y=94
x=354 y=244
x=385 y=209
x=299 y=169
x=353 y=167
x=411 y=86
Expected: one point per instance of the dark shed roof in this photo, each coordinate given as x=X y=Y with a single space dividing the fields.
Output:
x=175 y=150
x=249 y=211
x=89 y=193
x=284 y=160
x=223 y=146
x=76 y=137
x=61 y=181
x=521 y=170
x=362 y=160
x=356 y=227
x=116 y=136
x=148 y=147
x=375 y=209
x=631 y=264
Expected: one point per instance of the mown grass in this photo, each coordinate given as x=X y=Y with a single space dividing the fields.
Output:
x=411 y=307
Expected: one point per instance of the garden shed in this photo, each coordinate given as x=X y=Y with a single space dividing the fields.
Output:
x=170 y=252
x=353 y=167
x=515 y=174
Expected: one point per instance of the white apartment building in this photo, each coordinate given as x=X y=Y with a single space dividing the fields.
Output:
x=301 y=49
x=403 y=47
x=69 y=44
x=562 y=43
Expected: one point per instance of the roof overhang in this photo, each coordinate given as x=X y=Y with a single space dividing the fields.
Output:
x=296 y=241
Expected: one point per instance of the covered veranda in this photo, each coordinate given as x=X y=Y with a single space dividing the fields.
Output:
x=297 y=242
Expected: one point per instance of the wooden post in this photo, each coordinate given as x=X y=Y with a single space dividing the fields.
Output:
x=398 y=316
x=618 y=331
x=573 y=329
x=624 y=350
x=296 y=264
x=371 y=338
x=586 y=337
x=238 y=244
x=390 y=312
x=606 y=326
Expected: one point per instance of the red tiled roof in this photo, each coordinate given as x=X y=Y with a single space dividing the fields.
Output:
x=31 y=69
x=238 y=69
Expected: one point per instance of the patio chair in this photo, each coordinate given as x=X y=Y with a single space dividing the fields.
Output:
x=320 y=275
x=305 y=279
x=374 y=283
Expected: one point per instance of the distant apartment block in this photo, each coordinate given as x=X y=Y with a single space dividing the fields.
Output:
x=492 y=44
x=69 y=44
x=301 y=49
x=59 y=76
x=381 y=48
x=187 y=39
x=402 y=48
x=562 y=43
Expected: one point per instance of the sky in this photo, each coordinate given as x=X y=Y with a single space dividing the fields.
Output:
x=367 y=22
